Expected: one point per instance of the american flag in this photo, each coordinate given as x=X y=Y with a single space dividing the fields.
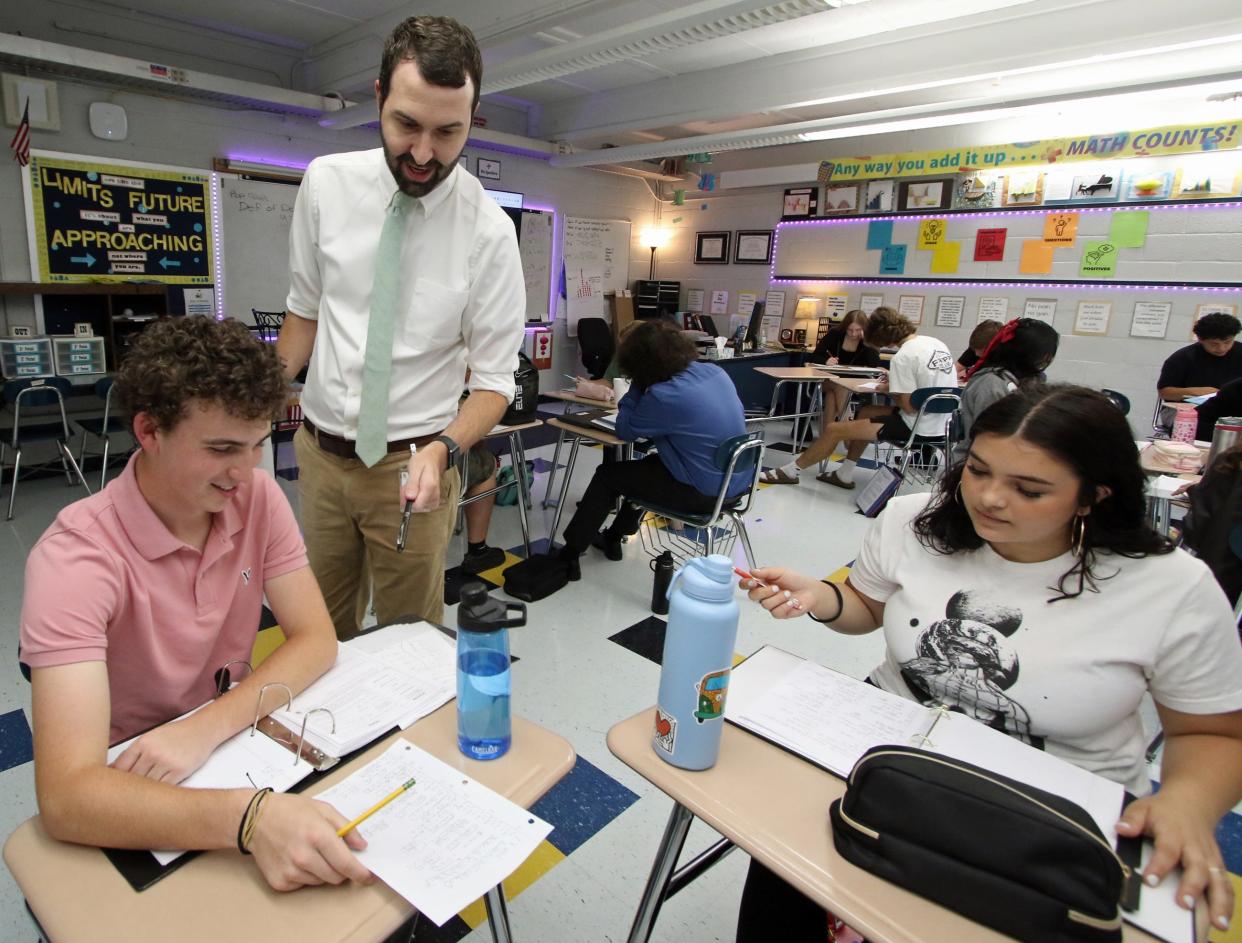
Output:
x=21 y=139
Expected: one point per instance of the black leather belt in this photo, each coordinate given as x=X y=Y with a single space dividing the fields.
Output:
x=344 y=448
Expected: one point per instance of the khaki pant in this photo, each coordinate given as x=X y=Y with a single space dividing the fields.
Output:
x=350 y=517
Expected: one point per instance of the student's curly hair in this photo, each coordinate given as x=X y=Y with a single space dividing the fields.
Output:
x=653 y=352
x=887 y=328
x=176 y=360
x=1085 y=431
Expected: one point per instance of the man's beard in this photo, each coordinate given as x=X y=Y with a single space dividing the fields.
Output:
x=412 y=187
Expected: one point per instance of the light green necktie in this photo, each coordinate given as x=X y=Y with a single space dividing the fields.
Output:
x=372 y=442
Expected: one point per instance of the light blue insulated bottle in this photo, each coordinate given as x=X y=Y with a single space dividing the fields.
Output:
x=483 y=623
x=698 y=657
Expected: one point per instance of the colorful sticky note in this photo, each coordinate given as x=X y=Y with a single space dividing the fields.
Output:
x=1036 y=258
x=990 y=245
x=1060 y=229
x=931 y=232
x=893 y=260
x=1128 y=230
x=945 y=258
x=879 y=233
x=1099 y=260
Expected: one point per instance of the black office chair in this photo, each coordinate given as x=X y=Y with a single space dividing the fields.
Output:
x=267 y=324
x=1120 y=400
x=595 y=342
x=47 y=392
x=102 y=427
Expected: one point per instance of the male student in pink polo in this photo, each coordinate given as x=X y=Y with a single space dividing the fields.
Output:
x=136 y=595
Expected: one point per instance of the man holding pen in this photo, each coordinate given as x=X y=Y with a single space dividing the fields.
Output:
x=135 y=596
x=403 y=273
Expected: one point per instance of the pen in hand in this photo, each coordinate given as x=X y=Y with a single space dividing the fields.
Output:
x=354 y=823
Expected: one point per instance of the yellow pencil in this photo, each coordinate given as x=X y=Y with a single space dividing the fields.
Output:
x=350 y=826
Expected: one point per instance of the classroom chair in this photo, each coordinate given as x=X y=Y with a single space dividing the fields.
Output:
x=928 y=455
x=101 y=427
x=688 y=535
x=596 y=345
x=31 y=393
x=267 y=324
x=1120 y=400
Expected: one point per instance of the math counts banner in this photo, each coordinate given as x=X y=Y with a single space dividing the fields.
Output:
x=100 y=223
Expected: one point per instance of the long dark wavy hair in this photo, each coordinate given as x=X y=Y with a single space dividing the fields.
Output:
x=653 y=352
x=1024 y=347
x=1084 y=430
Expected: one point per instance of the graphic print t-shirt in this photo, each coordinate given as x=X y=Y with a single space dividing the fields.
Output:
x=976 y=632
x=919 y=363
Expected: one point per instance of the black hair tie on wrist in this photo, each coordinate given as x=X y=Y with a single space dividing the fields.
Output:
x=840 y=604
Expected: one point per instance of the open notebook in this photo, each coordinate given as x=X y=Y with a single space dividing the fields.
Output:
x=832 y=719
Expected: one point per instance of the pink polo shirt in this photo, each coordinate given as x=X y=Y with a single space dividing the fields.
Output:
x=109 y=582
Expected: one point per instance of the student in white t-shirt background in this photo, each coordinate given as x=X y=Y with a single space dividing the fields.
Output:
x=920 y=362
x=1029 y=592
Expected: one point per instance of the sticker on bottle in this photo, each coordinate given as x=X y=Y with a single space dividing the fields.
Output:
x=665 y=730
x=712 y=689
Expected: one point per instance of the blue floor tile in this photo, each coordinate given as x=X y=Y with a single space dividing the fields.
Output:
x=581 y=804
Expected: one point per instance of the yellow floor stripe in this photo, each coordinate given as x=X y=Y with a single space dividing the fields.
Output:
x=495 y=573
x=266 y=642
x=1234 y=933
x=542 y=860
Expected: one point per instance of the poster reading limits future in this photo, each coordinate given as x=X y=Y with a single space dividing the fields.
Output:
x=100 y=223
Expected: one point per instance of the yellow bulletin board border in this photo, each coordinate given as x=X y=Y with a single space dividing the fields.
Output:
x=36 y=227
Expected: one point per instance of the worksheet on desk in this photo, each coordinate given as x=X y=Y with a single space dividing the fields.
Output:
x=446 y=841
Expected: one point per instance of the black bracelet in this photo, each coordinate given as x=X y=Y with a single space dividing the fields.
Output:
x=840 y=604
x=251 y=809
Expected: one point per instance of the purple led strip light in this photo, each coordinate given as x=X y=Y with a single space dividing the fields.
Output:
x=1013 y=283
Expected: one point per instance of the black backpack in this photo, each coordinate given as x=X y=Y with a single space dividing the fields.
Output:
x=537 y=577
x=526 y=397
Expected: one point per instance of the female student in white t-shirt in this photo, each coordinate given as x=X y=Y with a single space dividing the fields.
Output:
x=1029 y=592
x=920 y=362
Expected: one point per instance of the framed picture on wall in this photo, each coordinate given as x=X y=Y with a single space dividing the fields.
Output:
x=841 y=198
x=1149 y=185
x=712 y=248
x=925 y=194
x=753 y=247
x=880 y=194
x=800 y=203
x=489 y=169
x=1023 y=188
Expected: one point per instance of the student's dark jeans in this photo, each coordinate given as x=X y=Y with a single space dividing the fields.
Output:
x=645 y=480
x=774 y=910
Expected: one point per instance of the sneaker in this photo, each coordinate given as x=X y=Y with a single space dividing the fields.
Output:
x=489 y=558
x=830 y=478
x=608 y=545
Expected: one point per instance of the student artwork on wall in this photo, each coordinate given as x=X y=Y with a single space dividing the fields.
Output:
x=1148 y=186
x=712 y=248
x=1100 y=186
x=879 y=196
x=1203 y=179
x=1151 y=319
x=1023 y=188
x=949 y=310
x=926 y=194
x=976 y=191
x=800 y=203
x=841 y=199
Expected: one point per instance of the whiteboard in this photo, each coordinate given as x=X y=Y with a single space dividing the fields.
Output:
x=596 y=255
x=535 y=245
x=255 y=216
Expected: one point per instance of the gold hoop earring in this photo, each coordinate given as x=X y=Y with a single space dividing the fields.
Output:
x=1078 y=535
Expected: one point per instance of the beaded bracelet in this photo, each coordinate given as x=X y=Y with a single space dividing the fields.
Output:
x=245 y=828
x=840 y=604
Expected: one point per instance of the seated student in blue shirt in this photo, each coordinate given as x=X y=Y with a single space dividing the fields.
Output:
x=687 y=408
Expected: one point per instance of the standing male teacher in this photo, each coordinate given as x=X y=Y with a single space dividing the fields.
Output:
x=403 y=273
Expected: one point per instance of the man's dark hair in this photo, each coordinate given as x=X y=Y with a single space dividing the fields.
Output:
x=653 y=352
x=1217 y=327
x=444 y=51
x=219 y=363
x=887 y=328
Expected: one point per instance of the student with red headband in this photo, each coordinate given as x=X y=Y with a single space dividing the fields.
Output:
x=1021 y=351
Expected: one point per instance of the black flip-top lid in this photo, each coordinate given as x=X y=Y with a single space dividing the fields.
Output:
x=479 y=612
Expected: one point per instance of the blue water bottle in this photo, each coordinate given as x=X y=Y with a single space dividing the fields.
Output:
x=698 y=657
x=483 y=623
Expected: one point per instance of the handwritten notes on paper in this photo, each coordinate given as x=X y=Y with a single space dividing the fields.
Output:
x=931 y=233
x=945 y=258
x=1060 y=229
x=446 y=842
x=1036 y=258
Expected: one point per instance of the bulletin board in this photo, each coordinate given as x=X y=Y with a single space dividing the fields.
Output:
x=596 y=256
x=91 y=220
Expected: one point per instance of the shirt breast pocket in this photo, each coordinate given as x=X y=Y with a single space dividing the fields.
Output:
x=433 y=319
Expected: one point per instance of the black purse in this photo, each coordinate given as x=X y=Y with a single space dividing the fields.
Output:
x=1015 y=858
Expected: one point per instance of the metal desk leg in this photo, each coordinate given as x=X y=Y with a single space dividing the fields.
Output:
x=560 y=502
x=556 y=455
x=661 y=873
x=797 y=426
x=498 y=915
x=519 y=474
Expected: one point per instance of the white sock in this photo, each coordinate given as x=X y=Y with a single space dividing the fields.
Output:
x=845 y=471
x=791 y=469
